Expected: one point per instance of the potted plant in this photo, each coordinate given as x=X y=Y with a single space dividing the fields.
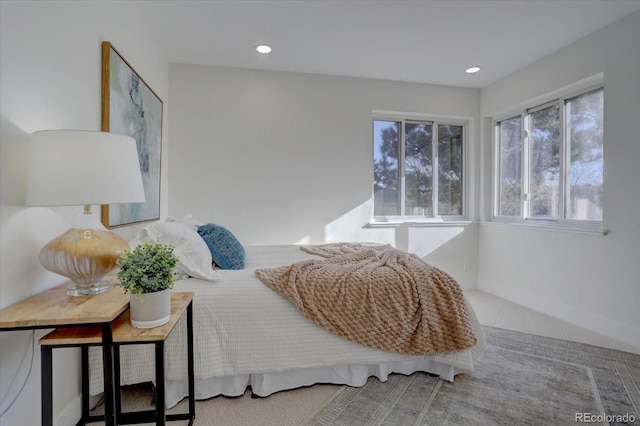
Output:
x=148 y=273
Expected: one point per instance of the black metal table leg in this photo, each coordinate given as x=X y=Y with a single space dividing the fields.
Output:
x=190 y=362
x=107 y=359
x=160 y=404
x=47 y=385
x=86 y=416
x=116 y=381
x=84 y=353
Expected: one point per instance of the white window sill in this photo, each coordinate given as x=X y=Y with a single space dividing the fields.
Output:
x=549 y=226
x=418 y=223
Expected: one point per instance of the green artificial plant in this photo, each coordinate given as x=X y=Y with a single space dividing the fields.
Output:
x=147 y=269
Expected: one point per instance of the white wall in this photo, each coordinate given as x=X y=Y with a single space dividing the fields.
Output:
x=593 y=281
x=283 y=158
x=286 y=158
x=50 y=78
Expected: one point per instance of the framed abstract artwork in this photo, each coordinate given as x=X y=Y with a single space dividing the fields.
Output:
x=131 y=108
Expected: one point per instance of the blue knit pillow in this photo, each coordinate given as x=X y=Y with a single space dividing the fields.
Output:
x=226 y=250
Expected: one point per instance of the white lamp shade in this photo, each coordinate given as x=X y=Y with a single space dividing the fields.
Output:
x=77 y=167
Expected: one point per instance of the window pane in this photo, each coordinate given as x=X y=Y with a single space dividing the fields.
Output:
x=544 y=162
x=510 y=180
x=449 y=169
x=584 y=198
x=385 y=168
x=418 y=169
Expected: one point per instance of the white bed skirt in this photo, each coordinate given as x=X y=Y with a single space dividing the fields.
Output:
x=266 y=384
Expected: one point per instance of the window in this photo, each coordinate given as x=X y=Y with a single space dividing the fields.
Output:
x=415 y=177
x=549 y=162
x=510 y=166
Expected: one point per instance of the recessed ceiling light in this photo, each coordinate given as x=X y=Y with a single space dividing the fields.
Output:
x=472 y=70
x=263 y=48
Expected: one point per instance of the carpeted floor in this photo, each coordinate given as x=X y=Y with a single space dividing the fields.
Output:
x=521 y=379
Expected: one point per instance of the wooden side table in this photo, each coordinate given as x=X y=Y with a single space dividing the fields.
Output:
x=124 y=334
x=54 y=308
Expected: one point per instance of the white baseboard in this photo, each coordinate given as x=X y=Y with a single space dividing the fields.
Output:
x=601 y=325
x=71 y=414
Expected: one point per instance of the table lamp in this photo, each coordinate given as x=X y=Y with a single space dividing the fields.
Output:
x=83 y=168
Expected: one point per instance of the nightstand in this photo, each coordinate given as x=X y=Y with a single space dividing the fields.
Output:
x=53 y=308
x=125 y=334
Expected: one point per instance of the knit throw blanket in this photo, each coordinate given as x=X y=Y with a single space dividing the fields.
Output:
x=377 y=296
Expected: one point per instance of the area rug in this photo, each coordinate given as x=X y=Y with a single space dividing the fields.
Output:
x=521 y=379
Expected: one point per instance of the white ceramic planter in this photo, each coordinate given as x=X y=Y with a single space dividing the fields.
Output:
x=152 y=310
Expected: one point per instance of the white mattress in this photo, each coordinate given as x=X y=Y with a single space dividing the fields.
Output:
x=248 y=335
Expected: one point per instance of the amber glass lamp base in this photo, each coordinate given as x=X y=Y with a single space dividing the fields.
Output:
x=84 y=256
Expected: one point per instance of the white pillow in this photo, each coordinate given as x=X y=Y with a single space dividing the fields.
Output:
x=194 y=257
x=188 y=219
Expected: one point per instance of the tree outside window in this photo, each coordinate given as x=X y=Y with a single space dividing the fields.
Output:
x=550 y=161
x=413 y=176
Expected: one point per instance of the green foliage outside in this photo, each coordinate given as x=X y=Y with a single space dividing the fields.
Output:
x=582 y=174
x=417 y=168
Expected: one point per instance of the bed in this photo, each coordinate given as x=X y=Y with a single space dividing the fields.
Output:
x=248 y=335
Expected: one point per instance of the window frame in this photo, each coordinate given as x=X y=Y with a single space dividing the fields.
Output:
x=560 y=97
x=403 y=118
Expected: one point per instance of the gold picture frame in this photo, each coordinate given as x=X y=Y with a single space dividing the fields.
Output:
x=131 y=108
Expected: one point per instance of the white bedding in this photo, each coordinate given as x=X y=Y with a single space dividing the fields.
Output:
x=248 y=335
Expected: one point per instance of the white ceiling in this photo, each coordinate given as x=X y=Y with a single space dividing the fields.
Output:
x=428 y=41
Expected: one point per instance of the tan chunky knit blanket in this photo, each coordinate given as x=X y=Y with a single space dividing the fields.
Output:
x=377 y=296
